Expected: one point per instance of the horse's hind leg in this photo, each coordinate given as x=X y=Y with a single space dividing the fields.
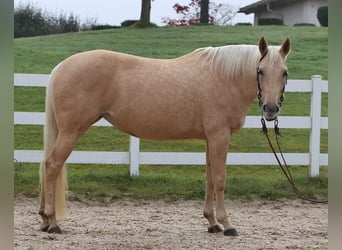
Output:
x=44 y=226
x=53 y=165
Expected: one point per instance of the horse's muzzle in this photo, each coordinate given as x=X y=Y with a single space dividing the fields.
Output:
x=270 y=111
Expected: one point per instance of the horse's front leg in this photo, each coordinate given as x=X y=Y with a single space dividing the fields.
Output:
x=208 y=210
x=217 y=152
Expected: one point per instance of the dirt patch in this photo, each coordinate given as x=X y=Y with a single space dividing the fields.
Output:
x=124 y=224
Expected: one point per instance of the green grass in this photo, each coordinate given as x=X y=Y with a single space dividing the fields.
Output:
x=111 y=139
x=174 y=182
x=40 y=54
x=309 y=45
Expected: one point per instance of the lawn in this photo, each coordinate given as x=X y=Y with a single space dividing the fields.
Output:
x=40 y=54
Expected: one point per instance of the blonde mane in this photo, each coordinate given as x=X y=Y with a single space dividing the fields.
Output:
x=236 y=61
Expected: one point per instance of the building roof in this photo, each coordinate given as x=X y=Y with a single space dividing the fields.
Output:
x=261 y=5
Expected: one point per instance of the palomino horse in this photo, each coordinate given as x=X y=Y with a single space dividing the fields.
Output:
x=204 y=94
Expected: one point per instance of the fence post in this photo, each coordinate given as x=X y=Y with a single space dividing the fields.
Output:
x=315 y=133
x=134 y=152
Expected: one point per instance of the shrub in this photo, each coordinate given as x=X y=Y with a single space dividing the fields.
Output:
x=30 y=20
x=128 y=23
x=322 y=16
x=141 y=25
x=104 y=27
x=270 y=21
x=304 y=24
x=243 y=24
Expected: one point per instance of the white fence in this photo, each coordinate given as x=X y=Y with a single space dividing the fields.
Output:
x=134 y=157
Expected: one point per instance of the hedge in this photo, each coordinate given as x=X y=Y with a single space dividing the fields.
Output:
x=322 y=16
x=270 y=21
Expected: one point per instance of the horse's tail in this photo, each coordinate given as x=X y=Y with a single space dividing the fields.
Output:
x=50 y=136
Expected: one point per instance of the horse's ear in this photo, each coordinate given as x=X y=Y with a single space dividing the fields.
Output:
x=263 y=46
x=285 y=47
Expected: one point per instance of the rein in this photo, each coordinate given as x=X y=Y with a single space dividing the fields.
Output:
x=284 y=167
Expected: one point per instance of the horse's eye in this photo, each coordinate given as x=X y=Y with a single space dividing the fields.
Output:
x=260 y=72
x=285 y=74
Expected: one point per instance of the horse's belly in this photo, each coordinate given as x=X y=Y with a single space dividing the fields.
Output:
x=165 y=134
x=157 y=127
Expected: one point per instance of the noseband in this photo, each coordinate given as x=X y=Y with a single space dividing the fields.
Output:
x=258 y=73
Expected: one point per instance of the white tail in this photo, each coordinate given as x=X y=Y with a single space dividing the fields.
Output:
x=50 y=135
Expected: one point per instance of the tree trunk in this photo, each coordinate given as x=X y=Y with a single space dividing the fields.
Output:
x=145 y=12
x=204 y=16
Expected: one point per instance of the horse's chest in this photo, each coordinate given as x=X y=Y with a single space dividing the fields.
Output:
x=237 y=124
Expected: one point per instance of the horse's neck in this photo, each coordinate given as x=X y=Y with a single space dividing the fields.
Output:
x=247 y=81
x=246 y=88
x=235 y=66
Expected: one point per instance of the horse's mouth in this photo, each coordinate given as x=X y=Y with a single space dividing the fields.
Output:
x=270 y=111
x=270 y=117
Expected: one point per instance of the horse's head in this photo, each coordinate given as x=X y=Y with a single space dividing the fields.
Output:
x=271 y=77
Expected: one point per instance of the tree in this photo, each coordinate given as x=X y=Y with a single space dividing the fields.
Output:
x=30 y=20
x=204 y=16
x=145 y=12
x=223 y=13
x=145 y=15
x=190 y=14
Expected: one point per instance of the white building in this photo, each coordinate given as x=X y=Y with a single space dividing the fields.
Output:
x=290 y=11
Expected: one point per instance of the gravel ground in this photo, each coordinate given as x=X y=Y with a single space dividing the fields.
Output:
x=126 y=224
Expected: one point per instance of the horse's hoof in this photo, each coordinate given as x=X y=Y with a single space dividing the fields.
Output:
x=215 y=229
x=44 y=228
x=54 y=230
x=231 y=232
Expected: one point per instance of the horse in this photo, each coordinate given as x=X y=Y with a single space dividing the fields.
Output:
x=204 y=94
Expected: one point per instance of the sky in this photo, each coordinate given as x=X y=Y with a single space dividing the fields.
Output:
x=113 y=12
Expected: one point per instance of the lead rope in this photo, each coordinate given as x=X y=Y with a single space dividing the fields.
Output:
x=285 y=169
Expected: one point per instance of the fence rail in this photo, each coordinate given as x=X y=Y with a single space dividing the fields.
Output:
x=134 y=157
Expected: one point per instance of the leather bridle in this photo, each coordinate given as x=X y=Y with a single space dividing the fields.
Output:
x=258 y=73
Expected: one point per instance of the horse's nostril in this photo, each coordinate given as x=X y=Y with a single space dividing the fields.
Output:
x=272 y=108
